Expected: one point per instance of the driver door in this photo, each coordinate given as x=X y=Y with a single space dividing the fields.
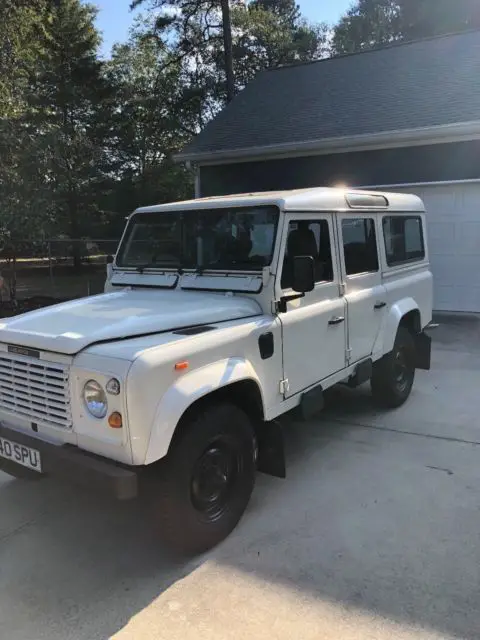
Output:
x=313 y=327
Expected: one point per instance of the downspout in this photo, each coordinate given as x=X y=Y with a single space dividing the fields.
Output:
x=196 y=173
x=197 y=182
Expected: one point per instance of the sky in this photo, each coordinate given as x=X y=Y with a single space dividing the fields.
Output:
x=115 y=18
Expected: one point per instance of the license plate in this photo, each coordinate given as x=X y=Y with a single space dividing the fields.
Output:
x=19 y=453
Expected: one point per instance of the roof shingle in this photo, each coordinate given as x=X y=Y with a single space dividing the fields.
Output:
x=420 y=84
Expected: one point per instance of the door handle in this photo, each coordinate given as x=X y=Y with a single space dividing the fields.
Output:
x=336 y=320
x=380 y=305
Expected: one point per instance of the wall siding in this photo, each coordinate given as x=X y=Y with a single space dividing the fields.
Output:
x=457 y=161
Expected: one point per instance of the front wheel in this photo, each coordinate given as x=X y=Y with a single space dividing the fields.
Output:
x=393 y=375
x=207 y=479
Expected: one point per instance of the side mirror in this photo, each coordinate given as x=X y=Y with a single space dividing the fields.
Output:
x=303 y=274
x=109 y=259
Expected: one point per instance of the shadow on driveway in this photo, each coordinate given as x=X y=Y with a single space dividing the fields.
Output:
x=371 y=518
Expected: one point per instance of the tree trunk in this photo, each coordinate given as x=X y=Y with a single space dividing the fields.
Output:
x=74 y=229
x=12 y=280
x=227 y=44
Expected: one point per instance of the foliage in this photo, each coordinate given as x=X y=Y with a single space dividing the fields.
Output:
x=22 y=195
x=193 y=27
x=371 y=23
x=20 y=27
x=150 y=120
x=425 y=18
x=264 y=33
x=367 y=24
x=83 y=141
x=67 y=97
x=270 y=33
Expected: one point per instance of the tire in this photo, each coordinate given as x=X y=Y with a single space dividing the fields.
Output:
x=206 y=480
x=393 y=375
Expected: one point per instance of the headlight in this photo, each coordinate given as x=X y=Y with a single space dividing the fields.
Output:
x=95 y=399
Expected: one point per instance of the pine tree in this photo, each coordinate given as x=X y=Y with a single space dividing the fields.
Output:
x=66 y=96
x=372 y=23
x=369 y=23
x=151 y=121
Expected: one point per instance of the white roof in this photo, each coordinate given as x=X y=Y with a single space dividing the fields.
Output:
x=318 y=199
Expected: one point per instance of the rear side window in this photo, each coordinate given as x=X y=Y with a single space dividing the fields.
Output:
x=404 y=241
x=359 y=245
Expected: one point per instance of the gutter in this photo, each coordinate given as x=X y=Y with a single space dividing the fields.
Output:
x=408 y=185
x=439 y=134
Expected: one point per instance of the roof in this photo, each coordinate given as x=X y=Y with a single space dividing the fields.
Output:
x=429 y=85
x=318 y=199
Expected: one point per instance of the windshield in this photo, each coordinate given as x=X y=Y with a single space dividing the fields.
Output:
x=225 y=239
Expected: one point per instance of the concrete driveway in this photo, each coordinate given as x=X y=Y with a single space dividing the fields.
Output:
x=375 y=534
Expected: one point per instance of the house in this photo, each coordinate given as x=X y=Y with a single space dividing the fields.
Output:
x=400 y=118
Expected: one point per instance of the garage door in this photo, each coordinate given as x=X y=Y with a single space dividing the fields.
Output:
x=453 y=213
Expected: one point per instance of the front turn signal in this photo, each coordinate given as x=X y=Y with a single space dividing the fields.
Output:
x=115 y=420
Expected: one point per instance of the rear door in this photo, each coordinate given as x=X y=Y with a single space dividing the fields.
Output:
x=365 y=294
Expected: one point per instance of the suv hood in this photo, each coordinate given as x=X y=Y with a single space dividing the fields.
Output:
x=71 y=326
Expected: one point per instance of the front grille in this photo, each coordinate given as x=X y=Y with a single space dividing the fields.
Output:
x=35 y=390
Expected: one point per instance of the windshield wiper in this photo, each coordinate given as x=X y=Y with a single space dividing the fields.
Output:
x=141 y=268
x=156 y=265
x=234 y=265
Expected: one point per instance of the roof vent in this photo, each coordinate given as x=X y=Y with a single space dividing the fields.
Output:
x=366 y=201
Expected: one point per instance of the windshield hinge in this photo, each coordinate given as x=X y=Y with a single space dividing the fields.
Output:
x=284 y=386
x=281 y=305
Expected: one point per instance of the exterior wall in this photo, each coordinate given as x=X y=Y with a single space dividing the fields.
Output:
x=434 y=163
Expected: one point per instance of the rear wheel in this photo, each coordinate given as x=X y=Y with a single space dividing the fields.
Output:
x=393 y=375
x=207 y=479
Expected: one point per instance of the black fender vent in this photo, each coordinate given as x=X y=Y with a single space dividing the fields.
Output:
x=266 y=345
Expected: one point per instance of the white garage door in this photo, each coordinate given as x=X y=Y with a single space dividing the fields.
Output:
x=453 y=214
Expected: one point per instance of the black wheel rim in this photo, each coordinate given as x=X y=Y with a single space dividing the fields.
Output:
x=401 y=371
x=214 y=478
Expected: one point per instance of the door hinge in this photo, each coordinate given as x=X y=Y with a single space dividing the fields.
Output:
x=348 y=354
x=284 y=386
x=342 y=288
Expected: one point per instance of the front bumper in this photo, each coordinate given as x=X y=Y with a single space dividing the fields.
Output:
x=73 y=465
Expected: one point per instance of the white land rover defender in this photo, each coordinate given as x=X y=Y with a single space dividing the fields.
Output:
x=219 y=316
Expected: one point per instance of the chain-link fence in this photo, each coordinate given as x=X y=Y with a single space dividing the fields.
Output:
x=59 y=269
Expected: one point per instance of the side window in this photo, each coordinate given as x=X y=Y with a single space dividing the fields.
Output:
x=308 y=238
x=403 y=237
x=359 y=245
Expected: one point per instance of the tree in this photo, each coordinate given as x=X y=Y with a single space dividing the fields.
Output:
x=228 y=49
x=425 y=18
x=264 y=33
x=150 y=120
x=229 y=37
x=270 y=33
x=207 y=17
x=65 y=96
x=371 y=23
x=23 y=215
x=82 y=142
x=287 y=10
x=21 y=22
